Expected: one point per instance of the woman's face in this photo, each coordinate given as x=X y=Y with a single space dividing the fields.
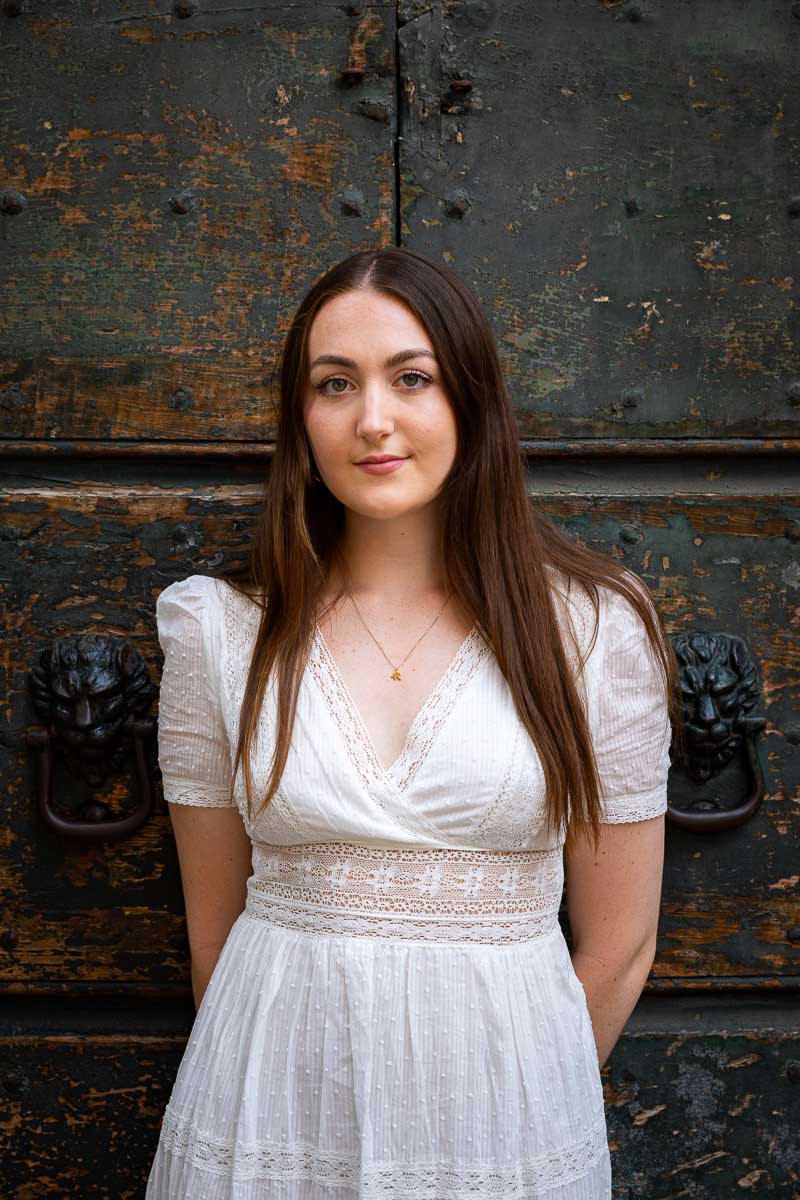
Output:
x=363 y=405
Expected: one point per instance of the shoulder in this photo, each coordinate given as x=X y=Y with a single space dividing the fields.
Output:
x=620 y=620
x=574 y=609
x=597 y=625
x=193 y=601
x=192 y=594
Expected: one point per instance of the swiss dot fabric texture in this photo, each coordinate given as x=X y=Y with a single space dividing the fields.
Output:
x=395 y=1013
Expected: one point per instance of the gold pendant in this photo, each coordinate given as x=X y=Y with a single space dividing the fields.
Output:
x=395 y=674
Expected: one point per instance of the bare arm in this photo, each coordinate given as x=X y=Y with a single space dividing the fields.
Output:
x=613 y=905
x=214 y=855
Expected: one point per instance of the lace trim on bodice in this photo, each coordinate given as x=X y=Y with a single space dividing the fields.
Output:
x=240 y=621
x=416 y=893
x=422 y=731
x=520 y=1180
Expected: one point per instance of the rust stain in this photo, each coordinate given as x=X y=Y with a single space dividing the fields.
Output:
x=701 y=1161
x=744 y=1060
x=738 y=1109
x=737 y=353
x=139 y=35
x=307 y=162
x=786 y=884
x=748 y=1181
x=705 y=254
x=619 y=1096
x=74 y=216
x=571 y=268
x=643 y=1117
x=368 y=30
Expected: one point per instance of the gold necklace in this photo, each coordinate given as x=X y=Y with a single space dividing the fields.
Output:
x=396 y=672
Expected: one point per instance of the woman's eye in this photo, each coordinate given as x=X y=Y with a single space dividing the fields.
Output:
x=331 y=379
x=339 y=391
x=416 y=375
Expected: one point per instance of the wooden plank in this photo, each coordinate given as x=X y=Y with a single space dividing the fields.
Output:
x=617 y=183
x=182 y=180
x=533 y=448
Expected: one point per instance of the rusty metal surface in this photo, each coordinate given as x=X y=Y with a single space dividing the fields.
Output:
x=182 y=177
x=618 y=183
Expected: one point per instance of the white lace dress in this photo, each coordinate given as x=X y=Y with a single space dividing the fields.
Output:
x=394 y=1015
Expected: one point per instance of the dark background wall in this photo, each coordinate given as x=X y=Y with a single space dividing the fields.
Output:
x=620 y=184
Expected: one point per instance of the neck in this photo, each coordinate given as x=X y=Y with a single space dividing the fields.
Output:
x=395 y=559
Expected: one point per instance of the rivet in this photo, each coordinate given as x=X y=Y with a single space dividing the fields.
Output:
x=182 y=202
x=793 y=933
x=9 y=938
x=630 y=533
x=12 y=201
x=184 y=8
x=793 y=207
x=793 y=392
x=456 y=203
x=793 y=1070
x=791 y=530
x=631 y=396
x=352 y=201
x=632 y=206
x=181 y=399
x=796 y=11
x=631 y=12
x=376 y=110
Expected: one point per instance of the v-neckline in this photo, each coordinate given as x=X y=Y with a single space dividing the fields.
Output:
x=390 y=774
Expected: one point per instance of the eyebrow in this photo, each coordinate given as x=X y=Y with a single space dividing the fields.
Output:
x=402 y=356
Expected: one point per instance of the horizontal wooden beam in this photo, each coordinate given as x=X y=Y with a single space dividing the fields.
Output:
x=531 y=447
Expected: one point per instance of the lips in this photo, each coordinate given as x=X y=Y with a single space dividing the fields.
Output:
x=386 y=467
x=381 y=458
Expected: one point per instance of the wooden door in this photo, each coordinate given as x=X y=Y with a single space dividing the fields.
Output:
x=618 y=183
x=170 y=178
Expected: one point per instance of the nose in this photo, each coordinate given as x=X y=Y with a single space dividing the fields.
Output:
x=376 y=415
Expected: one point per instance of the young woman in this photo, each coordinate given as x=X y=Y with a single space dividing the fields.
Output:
x=382 y=741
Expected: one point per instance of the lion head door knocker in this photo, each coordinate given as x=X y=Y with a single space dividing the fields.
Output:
x=92 y=692
x=720 y=687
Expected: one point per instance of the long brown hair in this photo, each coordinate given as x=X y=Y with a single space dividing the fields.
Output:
x=495 y=546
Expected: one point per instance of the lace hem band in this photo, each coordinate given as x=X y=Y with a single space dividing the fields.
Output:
x=519 y=1180
x=418 y=893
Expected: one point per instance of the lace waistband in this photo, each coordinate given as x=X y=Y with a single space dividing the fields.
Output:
x=416 y=893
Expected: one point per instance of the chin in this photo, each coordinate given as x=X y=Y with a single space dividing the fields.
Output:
x=383 y=508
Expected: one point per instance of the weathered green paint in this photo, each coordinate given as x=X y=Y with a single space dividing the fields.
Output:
x=621 y=194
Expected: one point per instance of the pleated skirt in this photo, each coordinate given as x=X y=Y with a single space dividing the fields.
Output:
x=344 y=1066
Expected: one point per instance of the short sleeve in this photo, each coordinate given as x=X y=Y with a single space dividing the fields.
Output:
x=193 y=745
x=631 y=729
